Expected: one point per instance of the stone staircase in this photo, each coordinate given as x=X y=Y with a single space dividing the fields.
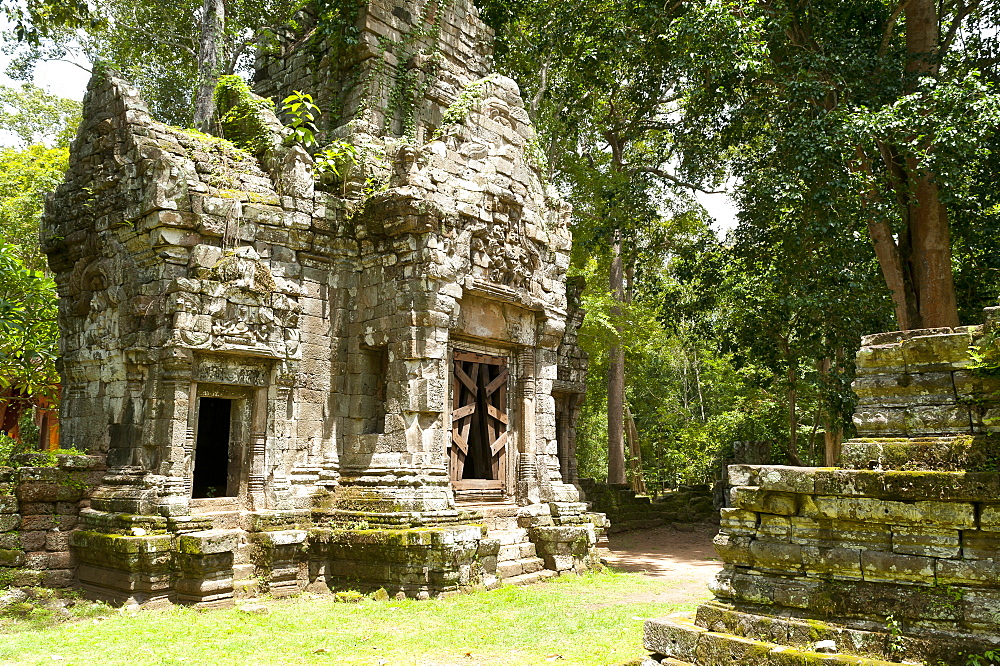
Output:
x=717 y=634
x=222 y=515
x=517 y=561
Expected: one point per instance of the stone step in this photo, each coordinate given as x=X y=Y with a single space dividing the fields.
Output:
x=529 y=578
x=222 y=520
x=516 y=551
x=870 y=642
x=678 y=636
x=524 y=565
x=509 y=537
x=243 y=571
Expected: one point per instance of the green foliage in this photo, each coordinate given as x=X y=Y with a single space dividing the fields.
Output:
x=29 y=332
x=467 y=100
x=34 y=20
x=9 y=447
x=239 y=113
x=155 y=45
x=25 y=176
x=988 y=658
x=37 y=116
x=302 y=114
x=336 y=159
x=336 y=27
x=986 y=354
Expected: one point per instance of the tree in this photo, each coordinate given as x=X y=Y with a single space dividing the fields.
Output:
x=38 y=117
x=175 y=52
x=29 y=330
x=601 y=104
x=873 y=95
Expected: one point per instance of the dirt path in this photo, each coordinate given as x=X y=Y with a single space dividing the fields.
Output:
x=685 y=559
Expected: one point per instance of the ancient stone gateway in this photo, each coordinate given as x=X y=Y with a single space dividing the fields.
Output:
x=307 y=380
x=891 y=557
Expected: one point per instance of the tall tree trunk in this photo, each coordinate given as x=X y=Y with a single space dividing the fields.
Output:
x=637 y=480
x=697 y=383
x=930 y=258
x=616 y=375
x=213 y=23
x=793 y=417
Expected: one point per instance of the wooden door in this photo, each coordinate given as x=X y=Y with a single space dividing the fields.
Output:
x=479 y=422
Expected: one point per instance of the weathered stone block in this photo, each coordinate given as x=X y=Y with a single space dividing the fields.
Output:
x=733 y=550
x=957 y=515
x=849 y=483
x=672 y=636
x=980 y=545
x=879 y=358
x=737 y=522
x=753 y=498
x=774 y=528
x=968 y=572
x=787 y=479
x=926 y=541
x=9 y=522
x=894 y=568
x=12 y=558
x=942 y=352
x=836 y=562
x=786 y=557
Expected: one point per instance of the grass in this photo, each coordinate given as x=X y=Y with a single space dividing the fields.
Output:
x=595 y=619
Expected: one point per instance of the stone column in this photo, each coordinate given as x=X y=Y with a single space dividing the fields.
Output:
x=562 y=434
x=527 y=472
x=258 y=444
x=573 y=403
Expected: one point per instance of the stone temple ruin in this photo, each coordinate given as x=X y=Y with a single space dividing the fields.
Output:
x=890 y=558
x=306 y=380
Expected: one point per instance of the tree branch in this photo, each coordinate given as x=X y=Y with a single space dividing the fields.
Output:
x=660 y=173
x=890 y=26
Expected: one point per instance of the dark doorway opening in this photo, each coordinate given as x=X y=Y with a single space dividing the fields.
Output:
x=211 y=451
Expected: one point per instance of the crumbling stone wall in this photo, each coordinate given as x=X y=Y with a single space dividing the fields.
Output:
x=324 y=313
x=889 y=557
x=40 y=501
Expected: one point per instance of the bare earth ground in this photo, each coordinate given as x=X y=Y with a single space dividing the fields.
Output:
x=687 y=559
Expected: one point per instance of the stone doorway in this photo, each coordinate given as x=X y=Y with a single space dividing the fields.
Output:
x=218 y=452
x=479 y=424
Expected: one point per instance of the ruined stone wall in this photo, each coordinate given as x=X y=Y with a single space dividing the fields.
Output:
x=39 y=506
x=325 y=311
x=920 y=383
x=890 y=556
x=160 y=290
x=400 y=68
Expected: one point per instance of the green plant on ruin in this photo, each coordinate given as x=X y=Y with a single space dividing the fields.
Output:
x=240 y=114
x=9 y=447
x=334 y=161
x=988 y=658
x=986 y=354
x=336 y=28
x=467 y=100
x=896 y=643
x=302 y=114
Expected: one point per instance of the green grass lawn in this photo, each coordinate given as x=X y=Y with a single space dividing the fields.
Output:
x=594 y=619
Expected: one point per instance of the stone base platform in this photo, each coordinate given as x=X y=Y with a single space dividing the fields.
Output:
x=719 y=634
x=211 y=559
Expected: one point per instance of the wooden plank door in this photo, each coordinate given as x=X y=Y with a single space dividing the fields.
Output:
x=479 y=422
